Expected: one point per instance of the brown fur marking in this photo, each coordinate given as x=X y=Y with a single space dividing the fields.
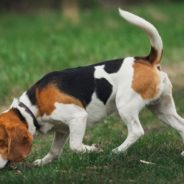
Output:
x=153 y=55
x=145 y=79
x=48 y=96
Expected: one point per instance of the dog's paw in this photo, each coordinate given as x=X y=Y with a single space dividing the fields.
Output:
x=115 y=151
x=38 y=162
x=118 y=151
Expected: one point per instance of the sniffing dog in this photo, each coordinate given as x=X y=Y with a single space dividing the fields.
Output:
x=71 y=99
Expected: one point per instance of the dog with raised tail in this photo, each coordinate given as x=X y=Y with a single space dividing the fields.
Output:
x=69 y=100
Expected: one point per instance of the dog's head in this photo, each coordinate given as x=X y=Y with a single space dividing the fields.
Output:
x=15 y=140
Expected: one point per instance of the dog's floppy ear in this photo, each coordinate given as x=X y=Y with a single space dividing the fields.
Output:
x=20 y=143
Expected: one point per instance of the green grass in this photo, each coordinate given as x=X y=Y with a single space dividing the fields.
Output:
x=34 y=44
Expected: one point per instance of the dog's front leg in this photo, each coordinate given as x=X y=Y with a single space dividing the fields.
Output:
x=77 y=128
x=57 y=145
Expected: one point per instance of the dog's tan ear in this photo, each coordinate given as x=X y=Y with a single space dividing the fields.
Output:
x=20 y=143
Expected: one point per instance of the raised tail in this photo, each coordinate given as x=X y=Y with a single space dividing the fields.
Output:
x=156 y=42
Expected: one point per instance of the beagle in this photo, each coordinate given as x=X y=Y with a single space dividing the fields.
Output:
x=71 y=99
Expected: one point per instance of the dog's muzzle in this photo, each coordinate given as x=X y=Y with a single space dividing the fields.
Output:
x=3 y=162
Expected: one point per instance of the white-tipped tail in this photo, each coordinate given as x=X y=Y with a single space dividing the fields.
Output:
x=155 y=39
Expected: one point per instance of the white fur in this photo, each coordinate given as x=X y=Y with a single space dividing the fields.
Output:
x=45 y=127
x=76 y=118
x=129 y=104
x=2 y=162
x=66 y=112
x=96 y=110
x=25 y=99
x=151 y=31
x=101 y=73
x=27 y=116
x=120 y=81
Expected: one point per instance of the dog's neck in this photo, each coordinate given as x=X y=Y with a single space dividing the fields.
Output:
x=27 y=114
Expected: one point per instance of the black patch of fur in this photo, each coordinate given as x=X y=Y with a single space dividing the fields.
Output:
x=103 y=89
x=111 y=66
x=31 y=92
x=78 y=82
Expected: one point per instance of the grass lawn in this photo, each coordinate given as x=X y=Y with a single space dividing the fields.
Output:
x=34 y=44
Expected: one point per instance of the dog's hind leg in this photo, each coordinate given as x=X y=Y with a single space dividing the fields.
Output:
x=135 y=131
x=55 y=150
x=165 y=110
x=128 y=112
